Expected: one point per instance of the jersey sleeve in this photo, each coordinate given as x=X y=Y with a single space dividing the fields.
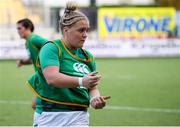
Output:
x=49 y=56
x=93 y=62
x=38 y=41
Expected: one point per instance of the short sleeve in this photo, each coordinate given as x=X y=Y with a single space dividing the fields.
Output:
x=93 y=62
x=38 y=41
x=49 y=56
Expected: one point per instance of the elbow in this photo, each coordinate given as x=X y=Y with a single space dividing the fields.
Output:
x=53 y=82
x=51 y=74
x=50 y=81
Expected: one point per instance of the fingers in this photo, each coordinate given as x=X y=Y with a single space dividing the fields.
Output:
x=99 y=102
x=94 y=80
x=93 y=73
x=106 y=97
x=33 y=105
x=93 y=84
x=95 y=77
x=18 y=64
x=91 y=80
x=102 y=99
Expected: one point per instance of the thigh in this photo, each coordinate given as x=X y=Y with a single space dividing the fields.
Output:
x=77 y=118
x=36 y=116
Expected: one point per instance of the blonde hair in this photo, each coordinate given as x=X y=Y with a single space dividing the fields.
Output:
x=71 y=15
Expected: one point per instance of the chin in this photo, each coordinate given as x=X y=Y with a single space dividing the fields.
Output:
x=81 y=46
x=21 y=36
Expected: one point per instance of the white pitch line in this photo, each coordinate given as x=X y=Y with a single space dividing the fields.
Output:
x=19 y=102
x=138 y=109
x=123 y=108
x=120 y=77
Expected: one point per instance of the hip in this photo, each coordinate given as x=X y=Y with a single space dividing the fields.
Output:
x=72 y=118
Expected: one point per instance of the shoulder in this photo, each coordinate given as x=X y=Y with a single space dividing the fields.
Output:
x=88 y=53
x=37 y=38
x=92 y=59
x=92 y=62
x=57 y=41
x=49 y=47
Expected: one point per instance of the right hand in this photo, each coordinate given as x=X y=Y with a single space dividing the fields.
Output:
x=91 y=80
x=19 y=64
x=99 y=102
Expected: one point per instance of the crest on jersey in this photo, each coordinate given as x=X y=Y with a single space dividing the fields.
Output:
x=80 y=67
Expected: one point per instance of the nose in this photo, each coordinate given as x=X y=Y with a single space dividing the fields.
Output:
x=84 y=34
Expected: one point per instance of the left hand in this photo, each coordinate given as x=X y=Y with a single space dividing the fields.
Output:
x=33 y=104
x=99 y=102
x=19 y=63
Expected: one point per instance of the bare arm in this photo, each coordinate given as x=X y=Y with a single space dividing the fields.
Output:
x=97 y=101
x=60 y=80
x=57 y=79
x=22 y=62
x=53 y=77
x=94 y=92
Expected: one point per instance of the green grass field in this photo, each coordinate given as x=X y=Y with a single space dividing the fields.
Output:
x=143 y=91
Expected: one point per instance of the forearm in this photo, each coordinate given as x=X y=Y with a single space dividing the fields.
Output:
x=65 y=81
x=94 y=92
x=62 y=81
x=97 y=101
x=26 y=61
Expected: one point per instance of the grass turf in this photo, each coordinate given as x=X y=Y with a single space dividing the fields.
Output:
x=141 y=83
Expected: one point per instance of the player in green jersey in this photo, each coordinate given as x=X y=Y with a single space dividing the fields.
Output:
x=66 y=81
x=33 y=44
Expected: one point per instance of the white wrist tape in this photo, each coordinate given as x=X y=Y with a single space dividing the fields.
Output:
x=80 y=80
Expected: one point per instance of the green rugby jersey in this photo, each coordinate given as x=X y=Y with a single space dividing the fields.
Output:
x=70 y=62
x=33 y=45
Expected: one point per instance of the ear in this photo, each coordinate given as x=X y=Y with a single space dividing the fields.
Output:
x=65 y=29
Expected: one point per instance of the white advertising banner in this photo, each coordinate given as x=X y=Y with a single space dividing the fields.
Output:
x=134 y=48
x=108 y=48
x=13 y=50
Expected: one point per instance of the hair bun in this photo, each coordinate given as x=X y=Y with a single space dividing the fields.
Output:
x=70 y=6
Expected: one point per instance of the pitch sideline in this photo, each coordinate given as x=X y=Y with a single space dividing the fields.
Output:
x=109 y=107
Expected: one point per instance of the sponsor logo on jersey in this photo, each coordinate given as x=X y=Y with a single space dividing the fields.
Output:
x=80 y=67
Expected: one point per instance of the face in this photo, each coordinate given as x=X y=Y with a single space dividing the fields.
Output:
x=22 y=31
x=76 y=34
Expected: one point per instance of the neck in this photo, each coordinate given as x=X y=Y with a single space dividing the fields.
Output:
x=68 y=45
x=27 y=35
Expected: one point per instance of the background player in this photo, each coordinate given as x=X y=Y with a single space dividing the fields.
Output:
x=33 y=44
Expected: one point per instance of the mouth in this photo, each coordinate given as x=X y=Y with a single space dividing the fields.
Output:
x=83 y=41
